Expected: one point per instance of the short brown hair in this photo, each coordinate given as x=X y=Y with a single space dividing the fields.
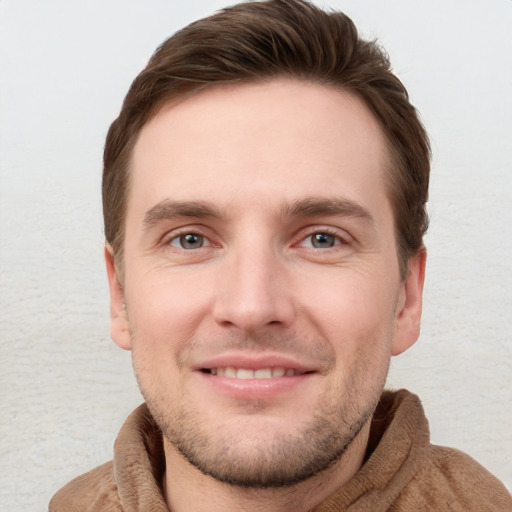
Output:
x=255 y=41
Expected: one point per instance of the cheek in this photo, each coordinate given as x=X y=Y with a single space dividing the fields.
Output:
x=165 y=310
x=355 y=313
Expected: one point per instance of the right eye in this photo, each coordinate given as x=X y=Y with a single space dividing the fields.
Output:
x=323 y=240
x=189 y=241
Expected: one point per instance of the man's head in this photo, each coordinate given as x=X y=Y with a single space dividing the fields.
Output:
x=260 y=41
x=262 y=292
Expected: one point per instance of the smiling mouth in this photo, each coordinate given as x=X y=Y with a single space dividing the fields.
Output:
x=247 y=373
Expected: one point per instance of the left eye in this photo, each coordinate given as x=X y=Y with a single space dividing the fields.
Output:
x=321 y=241
x=189 y=241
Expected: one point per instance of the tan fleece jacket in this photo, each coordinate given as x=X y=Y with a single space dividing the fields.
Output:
x=403 y=472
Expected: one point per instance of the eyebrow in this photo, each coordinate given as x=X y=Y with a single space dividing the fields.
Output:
x=168 y=209
x=311 y=207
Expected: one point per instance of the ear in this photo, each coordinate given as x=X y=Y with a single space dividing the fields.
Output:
x=119 y=325
x=408 y=314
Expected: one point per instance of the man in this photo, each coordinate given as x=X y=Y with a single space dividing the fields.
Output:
x=264 y=197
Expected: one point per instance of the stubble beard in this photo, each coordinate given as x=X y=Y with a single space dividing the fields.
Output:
x=276 y=461
x=269 y=459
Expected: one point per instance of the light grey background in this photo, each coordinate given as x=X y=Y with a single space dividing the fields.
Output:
x=65 y=67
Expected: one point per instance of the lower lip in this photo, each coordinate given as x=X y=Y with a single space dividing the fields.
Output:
x=254 y=389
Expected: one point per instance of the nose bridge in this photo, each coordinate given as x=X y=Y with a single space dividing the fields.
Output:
x=251 y=292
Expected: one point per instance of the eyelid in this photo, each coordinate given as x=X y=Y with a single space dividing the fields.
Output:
x=195 y=229
x=305 y=233
x=176 y=241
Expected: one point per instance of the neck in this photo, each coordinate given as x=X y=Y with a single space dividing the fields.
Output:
x=182 y=482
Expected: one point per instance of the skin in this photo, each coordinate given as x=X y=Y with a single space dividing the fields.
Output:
x=259 y=234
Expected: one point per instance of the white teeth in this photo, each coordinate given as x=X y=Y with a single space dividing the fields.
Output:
x=244 y=374
x=261 y=373
x=230 y=372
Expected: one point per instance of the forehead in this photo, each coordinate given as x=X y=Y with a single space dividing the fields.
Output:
x=280 y=140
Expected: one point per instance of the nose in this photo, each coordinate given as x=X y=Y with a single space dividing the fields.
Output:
x=253 y=292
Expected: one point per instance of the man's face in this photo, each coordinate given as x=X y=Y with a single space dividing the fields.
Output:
x=261 y=282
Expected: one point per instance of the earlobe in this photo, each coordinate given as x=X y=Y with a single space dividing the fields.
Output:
x=408 y=314
x=119 y=325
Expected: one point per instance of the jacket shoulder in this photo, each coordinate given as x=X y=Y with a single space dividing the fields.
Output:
x=95 y=491
x=451 y=480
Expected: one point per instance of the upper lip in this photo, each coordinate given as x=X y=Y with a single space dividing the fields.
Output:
x=253 y=361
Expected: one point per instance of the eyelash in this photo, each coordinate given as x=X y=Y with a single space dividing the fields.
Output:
x=169 y=238
x=301 y=239
x=179 y=237
x=339 y=239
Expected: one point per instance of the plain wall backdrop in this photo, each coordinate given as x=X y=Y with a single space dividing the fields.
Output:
x=65 y=67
